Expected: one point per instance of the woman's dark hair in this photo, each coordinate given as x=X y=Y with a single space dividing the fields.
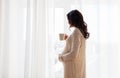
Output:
x=75 y=18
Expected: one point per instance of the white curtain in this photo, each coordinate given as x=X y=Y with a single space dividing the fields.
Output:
x=29 y=41
x=12 y=39
x=23 y=47
x=103 y=47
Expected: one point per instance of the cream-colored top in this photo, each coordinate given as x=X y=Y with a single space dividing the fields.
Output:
x=73 y=56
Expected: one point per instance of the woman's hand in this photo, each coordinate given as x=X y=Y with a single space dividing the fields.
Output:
x=65 y=36
x=60 y=57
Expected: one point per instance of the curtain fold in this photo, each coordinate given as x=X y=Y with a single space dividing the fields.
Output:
x=23 y=39
x=36 y=29
x=11 y=40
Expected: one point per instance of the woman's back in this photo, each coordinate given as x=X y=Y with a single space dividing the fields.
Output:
x=74 y=65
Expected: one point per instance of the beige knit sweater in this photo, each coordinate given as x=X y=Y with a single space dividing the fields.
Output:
x=73 y=56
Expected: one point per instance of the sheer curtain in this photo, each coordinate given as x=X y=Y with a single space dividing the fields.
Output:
x=12 y=39
x=103 y=47
x=23 y=39
x=29 y=41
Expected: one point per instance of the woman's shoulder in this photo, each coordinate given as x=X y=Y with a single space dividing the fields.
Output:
x=77 y=32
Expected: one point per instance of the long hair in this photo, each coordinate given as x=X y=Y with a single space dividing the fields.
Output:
x=75 y=18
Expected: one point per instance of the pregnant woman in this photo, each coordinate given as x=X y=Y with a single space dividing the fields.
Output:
x=73 y=56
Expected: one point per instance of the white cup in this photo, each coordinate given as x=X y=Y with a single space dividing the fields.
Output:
x=61 y=36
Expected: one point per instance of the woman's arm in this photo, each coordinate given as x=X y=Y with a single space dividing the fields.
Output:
x=76 y=43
